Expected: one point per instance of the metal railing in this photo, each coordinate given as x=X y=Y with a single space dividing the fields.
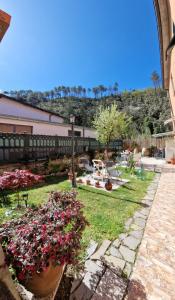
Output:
x=24 y=147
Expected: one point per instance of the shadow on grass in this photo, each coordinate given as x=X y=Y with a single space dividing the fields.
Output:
x=110 y=196
x=126 y=186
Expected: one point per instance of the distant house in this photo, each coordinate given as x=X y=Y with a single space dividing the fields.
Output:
x=17 y=116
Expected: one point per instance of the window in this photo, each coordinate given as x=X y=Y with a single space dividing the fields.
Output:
x=13 y=128
x=76 y=133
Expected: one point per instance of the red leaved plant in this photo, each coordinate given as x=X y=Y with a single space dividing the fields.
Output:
x=17 y=180
x=44 y=235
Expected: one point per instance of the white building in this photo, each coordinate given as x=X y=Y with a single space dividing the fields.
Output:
x=19 y=117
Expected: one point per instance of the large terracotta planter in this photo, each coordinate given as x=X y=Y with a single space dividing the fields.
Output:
x=45 y=283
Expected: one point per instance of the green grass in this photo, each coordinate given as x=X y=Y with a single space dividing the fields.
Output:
x=106 y=212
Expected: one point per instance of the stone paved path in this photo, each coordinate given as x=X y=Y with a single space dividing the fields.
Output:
x=109 y=265
x=153 y=277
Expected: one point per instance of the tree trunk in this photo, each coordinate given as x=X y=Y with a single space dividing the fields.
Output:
x=106 y=153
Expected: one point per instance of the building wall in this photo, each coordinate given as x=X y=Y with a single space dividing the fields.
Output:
x=46 y=128
x=172 y=64
x=12 y=108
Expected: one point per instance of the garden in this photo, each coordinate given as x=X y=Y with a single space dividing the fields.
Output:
x=105 y=212
x=46 y=225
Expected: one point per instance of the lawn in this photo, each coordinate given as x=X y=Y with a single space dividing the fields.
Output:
x=106 y=212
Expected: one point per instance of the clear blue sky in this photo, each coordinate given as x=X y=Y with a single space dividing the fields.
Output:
x=79 y=42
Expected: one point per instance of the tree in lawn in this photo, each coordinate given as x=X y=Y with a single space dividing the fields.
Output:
x=110 y=124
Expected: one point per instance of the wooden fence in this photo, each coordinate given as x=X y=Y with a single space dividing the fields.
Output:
x=24 y=147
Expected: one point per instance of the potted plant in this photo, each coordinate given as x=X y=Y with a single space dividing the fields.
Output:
x=39 y=244
x=79 y=180
x=108 y=185
x=97 y=184
x=88 y=182
x=173 y=159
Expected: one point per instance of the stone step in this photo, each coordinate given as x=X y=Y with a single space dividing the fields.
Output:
x=114 y=263
x=101 y=251
x=128 y=255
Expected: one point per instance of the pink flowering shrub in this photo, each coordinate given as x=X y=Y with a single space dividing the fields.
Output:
x=18 y=179
x=47 y=234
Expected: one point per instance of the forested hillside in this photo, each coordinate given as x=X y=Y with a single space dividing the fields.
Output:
x=149 y=108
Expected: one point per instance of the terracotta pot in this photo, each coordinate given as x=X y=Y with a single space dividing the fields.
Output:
x=79 y=181
x=97 y=184
x=108 y=185
x=45 y=283
x=88 y=182
x=173 y=161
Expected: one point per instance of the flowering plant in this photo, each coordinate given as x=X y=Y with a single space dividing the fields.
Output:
x=44 y=235
x=18 y=179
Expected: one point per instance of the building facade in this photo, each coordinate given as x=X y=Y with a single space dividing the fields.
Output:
x=165 y=12
x=19 y=117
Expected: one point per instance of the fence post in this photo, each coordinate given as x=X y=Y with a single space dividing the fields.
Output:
x=7 y=285
x=26 y=146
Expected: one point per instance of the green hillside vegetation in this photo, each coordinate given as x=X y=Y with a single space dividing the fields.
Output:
x=148 y=108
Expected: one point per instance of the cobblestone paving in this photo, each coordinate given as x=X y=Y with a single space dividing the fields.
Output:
x=153 y=277
x=109 y=266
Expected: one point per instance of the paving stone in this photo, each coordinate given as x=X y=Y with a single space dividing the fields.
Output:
x=144 y=211
x=128 y=223
x=75 y=284
x=140 y=222
x=111 y=287
x=91 y=249
x=137 y=234
x=83 y=293
x=150 y=196
x=114 y=263
x=128 y=269
x=114 y=252
x=122 y=236
x=94 y=267
x=147 y=202
x=78 y=277
x=128 y=255
x=139 y=215
x=154 y=271
x=91 y=280
x=101 y=251
x=116 y=243
x=131 y=242
x=136 y=227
